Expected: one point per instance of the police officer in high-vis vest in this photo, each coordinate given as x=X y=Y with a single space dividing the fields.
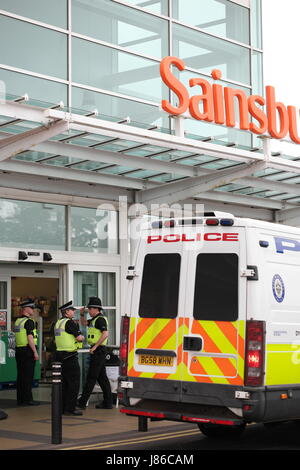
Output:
x=68 y=339
x=26 y=353
x=97 y=339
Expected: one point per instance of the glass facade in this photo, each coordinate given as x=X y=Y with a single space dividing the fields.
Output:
x=32 y=225
x=33 y=48
x=26 y=224
x=105 y=54
x=94 y=230
x=54 y=12
x=222 y=18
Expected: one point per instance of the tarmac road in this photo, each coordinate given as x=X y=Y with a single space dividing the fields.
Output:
x=284 y=436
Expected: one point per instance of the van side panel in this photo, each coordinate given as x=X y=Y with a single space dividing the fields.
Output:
x=283 y=332
x=275 y=298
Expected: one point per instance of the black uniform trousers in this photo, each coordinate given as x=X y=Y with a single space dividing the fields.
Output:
x=25 y=374
x=97 y=373
x=70 y=372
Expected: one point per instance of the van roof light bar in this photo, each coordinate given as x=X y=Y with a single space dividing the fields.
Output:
x=226 y=222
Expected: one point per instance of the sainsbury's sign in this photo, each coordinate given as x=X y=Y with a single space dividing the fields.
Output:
x=207 y=237
x=216 y=104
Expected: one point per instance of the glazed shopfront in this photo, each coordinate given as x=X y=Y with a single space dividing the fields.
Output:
x=59 y=254
x=84 y=137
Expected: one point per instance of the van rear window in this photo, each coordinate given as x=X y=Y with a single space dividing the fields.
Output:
x=160 y=286
x=216 y=287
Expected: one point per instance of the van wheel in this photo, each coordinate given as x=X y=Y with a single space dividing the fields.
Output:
x=221 y=430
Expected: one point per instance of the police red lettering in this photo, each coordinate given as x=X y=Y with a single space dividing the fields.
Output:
x=154 y=238
x=184 y=239
x=230 y=237
x=213 y=237
x=172 y=238
x=207 y=237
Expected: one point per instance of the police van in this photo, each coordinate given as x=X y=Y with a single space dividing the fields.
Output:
x=211 y=334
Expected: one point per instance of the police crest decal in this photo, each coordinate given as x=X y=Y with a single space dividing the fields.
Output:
x=278 y=288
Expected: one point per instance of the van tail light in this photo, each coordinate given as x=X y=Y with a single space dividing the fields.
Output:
x=255 y=353
x=124 y=345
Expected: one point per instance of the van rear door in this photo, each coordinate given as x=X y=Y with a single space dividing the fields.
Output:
x=213 y=343
x=156 y=331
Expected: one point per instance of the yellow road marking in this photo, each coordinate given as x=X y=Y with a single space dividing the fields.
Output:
x=138 y=440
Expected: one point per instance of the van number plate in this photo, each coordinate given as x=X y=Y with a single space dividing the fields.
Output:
x=149 y=360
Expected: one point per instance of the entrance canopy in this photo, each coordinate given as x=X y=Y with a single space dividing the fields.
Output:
x=54 y=149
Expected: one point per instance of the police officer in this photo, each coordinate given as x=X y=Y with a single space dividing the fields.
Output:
x=26 y=353
x=97 y=339
x=67 y=339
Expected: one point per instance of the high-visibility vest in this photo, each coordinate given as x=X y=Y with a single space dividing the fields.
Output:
x=64 y=341
x=94 y=334
x=21 y=333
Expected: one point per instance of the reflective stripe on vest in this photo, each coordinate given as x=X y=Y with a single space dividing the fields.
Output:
x=94 y=334
x=21 y=333
x=64 y=341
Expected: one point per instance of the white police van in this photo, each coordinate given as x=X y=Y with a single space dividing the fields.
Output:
x=211 y=334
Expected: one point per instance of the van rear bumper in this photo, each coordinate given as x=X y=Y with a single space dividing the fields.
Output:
x=265 y=404
x=189 y=413
x=187 y=392
x=176 y=399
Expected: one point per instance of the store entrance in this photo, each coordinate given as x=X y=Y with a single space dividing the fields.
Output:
x=45 y=293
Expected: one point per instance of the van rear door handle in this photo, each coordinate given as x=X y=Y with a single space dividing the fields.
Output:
x=192 y=343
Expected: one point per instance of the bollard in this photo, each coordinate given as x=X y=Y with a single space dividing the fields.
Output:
x=56 y=405
x=143 y=424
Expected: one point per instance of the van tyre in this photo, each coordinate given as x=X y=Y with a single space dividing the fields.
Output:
x=221 y=431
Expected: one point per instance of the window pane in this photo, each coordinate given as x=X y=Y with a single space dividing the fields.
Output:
x=85 y=286
x=54 y=12
x=156 y=6
x=218 y=133
x=118 y=24
x=204 y=53
x=225 y=19
x=118 y=107
x=256 y=32
x=32 y=225
x=27 y=46
x=110 y=69
x=3 y=294
x=94 y=230
x=107 y=289
x=160 y=286
x=37 y=89
x=257 y=73
x=216 y=287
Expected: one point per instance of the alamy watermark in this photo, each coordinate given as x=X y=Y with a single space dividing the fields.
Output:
x=137 y=218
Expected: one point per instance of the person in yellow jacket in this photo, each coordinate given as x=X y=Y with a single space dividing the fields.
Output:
x=97 y=339
x=67 y=339
x=26 y=353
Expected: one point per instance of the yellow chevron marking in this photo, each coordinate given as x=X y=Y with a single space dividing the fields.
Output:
x=214 y=372
x=151 y=333
x=218 y=338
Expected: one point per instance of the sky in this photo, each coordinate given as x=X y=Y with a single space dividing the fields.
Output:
x=281 y=44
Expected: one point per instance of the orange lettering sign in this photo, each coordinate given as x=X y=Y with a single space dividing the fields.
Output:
x=217 y=104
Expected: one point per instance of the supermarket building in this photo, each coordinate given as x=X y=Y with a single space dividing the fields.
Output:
x=84 y=137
